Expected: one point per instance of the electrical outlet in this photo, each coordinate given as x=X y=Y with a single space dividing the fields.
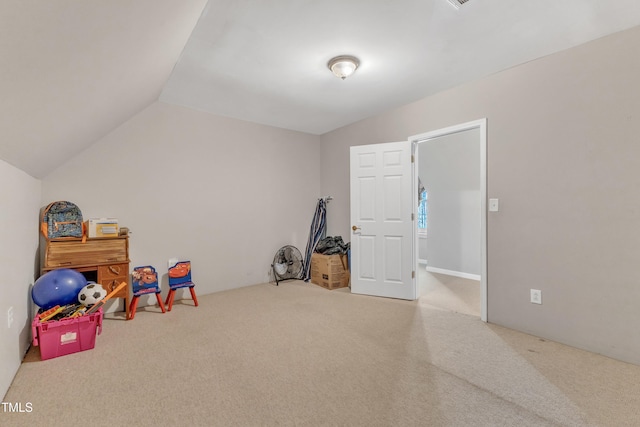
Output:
x=10 y=317
x=536 y=296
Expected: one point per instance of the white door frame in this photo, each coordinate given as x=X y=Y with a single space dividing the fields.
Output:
x=482 y=126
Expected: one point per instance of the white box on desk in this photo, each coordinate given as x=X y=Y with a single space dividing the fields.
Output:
x=103 y=227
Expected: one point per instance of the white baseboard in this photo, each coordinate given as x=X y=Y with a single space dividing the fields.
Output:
x=453 y=273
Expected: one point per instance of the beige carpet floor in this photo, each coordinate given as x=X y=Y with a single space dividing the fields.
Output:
x=449 y=292
x=300 y=355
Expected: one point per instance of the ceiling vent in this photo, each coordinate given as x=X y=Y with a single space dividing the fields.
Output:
x=457 y=3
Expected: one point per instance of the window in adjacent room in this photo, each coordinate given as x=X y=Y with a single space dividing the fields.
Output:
x=422 y=212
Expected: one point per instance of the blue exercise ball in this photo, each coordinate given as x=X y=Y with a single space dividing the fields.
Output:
x=57 y=287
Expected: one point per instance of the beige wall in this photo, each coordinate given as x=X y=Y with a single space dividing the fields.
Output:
x=223 y=193
x=564 y=160
x=19 y=208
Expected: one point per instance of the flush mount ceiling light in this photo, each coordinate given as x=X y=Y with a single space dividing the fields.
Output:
x=343 y=66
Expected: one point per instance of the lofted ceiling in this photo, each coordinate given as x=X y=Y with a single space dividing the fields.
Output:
x=73 y=71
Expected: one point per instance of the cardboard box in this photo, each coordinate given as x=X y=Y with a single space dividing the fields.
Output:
x=66 y=336
x=330 y=271
x=103 y=227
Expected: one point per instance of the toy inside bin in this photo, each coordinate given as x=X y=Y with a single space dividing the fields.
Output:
x=66 y=336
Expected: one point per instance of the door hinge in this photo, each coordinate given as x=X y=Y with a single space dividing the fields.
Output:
x=413 y=218
x=413 y=158
x=413 y=274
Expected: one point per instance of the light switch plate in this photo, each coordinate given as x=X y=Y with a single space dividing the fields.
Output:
x=494 y=205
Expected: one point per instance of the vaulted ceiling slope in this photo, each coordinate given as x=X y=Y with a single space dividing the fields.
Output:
x=266 y=61
x=72 y=71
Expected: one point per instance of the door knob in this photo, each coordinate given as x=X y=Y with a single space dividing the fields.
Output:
x=354 y=228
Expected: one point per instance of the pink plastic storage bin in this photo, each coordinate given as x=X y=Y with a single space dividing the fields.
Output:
x=66 y=336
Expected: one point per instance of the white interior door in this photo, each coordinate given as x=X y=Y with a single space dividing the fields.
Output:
x=383 y=260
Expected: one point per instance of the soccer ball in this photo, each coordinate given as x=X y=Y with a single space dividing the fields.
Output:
x=91 y=294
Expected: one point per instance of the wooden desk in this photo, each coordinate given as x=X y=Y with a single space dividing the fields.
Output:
x=103 y=260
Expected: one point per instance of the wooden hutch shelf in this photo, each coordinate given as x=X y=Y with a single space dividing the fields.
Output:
x=103 y=260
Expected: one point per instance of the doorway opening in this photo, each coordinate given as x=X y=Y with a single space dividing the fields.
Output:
x=451 y=245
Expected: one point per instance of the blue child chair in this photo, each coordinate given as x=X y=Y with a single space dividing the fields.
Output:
x=145 y=281
x=180 y=277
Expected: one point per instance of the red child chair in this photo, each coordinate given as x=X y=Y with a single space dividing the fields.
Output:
x=145 y=281
x=180 y=277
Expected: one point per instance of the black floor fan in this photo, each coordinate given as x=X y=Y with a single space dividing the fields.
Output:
x=287 y=264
